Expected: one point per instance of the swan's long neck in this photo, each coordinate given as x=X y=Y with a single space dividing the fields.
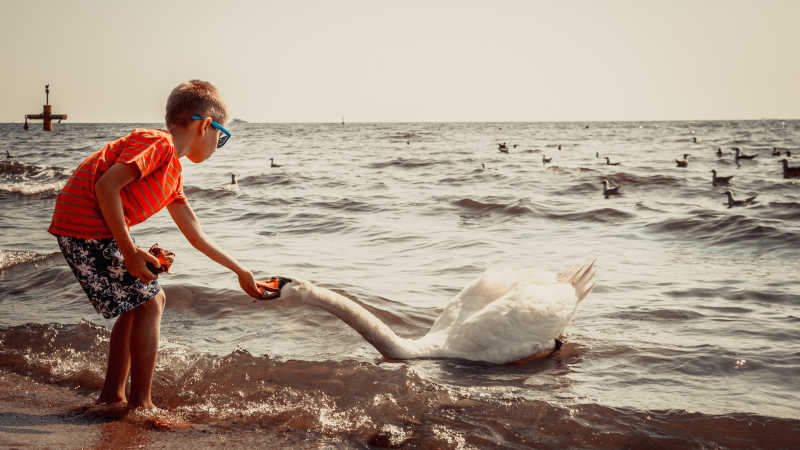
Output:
x=364 y=322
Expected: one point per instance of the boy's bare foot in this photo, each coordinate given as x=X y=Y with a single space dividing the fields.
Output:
x=115 y=410
x=110 y=399
x=141 y=405
x=169 y=423
x=158 y=418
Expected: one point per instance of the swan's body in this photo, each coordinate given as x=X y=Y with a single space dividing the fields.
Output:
x=498 y=318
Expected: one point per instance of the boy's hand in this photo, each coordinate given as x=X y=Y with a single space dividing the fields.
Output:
x=248 y=284
x=137 y=265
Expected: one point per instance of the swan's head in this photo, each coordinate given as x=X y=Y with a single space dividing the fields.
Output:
x=296 y=290
x=302 y=291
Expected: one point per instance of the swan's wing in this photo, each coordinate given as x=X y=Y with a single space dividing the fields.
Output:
x=522 y=323
x=492 y=284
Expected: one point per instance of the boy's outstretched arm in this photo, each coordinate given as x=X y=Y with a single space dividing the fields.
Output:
x=187 y=222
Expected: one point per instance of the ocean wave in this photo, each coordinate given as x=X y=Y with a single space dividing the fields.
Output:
x=743 y=297
x=481 y=208
x=789 y=211
x=309 y=222
x=405 y=164
x=15 y=258
x=630 y=179
x=20 y=169
x=346 y=204
x=30 y=180
x=32 y=189
x=209 y=193
x=385 y=404
x=599 y=215
x=723 y=229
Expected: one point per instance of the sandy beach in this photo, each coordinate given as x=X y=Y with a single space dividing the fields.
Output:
x=37 y=415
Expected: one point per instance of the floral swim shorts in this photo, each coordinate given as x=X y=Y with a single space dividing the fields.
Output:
x=100 y=268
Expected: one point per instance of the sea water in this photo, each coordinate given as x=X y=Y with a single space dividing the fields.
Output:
x=691 y=337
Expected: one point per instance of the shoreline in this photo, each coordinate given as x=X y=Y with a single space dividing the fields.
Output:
x=40 y=415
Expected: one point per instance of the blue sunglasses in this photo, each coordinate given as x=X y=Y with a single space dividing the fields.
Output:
x=225 y=133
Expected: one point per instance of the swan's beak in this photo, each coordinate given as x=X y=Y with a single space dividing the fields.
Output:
x=271 y=288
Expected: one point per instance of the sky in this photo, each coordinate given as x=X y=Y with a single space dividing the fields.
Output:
x=409 y=61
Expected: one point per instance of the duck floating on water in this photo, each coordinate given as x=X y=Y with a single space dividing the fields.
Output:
x=233 y=186
x=501 y=317
x=609 y=163
x=790 y=172
x=546 y=160
x=775 y=151
x=272 y=163
x=684 y=162
x=503 y=148
x=740 y=155
x=715 y=180
x=733 y=202
x=719 y=152
x=609 y=189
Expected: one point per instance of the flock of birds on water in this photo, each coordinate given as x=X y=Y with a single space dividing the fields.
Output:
x=610 y=189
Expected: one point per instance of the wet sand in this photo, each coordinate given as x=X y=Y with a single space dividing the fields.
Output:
x=37 y=415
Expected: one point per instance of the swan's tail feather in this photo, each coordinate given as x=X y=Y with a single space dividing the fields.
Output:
x=581 y=278
x=567 y=274
x=584 y=292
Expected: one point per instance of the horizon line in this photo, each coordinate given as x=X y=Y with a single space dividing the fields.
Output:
x=440 y=121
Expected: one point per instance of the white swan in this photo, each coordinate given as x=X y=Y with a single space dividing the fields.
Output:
x=501 y=317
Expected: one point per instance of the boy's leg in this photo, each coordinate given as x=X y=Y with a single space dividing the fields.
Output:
x=119 y=360
x=145 y=332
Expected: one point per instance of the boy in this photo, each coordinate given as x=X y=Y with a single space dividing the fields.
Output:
x=121 y=185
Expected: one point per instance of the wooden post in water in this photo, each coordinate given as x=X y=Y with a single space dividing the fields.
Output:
x=47 y=115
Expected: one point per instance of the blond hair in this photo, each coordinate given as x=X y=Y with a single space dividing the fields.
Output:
x=195 y=97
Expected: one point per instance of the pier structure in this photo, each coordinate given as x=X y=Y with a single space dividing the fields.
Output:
x=47 y=117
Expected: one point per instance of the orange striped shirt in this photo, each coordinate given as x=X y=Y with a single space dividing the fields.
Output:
x=160 y=183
